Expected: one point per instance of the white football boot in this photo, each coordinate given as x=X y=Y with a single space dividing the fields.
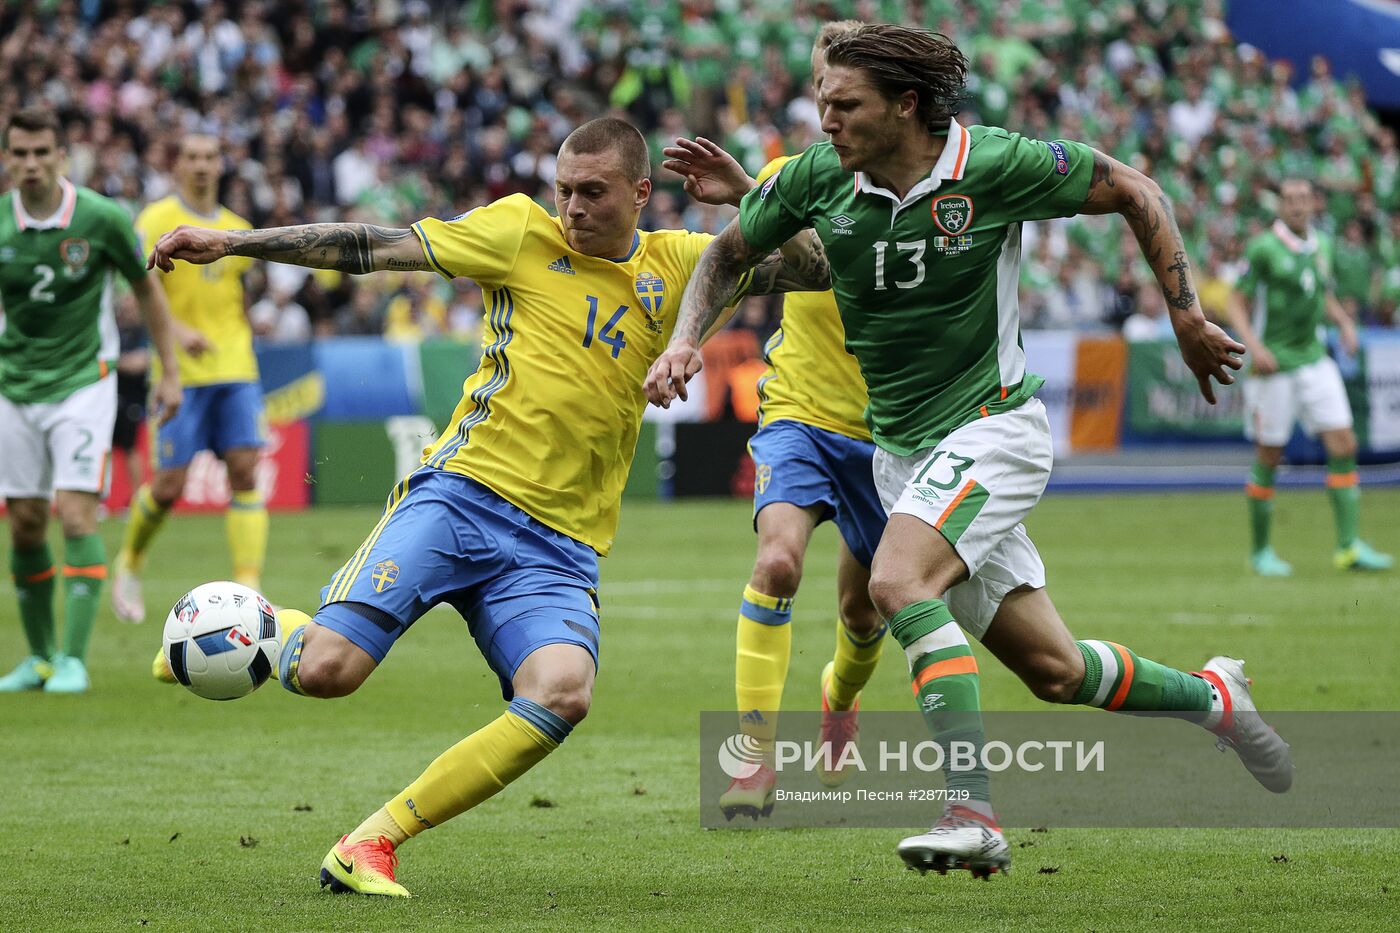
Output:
x=962 y=838
x=127 y=602
x=1239 y=726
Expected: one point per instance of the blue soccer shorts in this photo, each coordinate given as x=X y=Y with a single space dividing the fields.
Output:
x=445 y=538
x=807 y=466
x=220 y=418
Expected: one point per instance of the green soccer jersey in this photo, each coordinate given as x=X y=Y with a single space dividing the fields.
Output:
x=60 y=332
x=927 y=285
x=1287 y=282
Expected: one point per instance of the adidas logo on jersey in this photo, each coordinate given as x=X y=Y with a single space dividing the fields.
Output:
x=563 y=265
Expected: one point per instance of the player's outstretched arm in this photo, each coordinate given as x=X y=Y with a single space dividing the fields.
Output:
x=353 y=248
x=167 y=394
x=712 y=286
x=712 y=176
x=1116 y=188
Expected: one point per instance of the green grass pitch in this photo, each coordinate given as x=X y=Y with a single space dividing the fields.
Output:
x=140 y=806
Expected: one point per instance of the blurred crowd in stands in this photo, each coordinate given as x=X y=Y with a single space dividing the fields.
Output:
x=386 y=111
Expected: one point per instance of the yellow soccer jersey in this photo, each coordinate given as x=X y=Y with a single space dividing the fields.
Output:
x=811 y=378
x=207 y=298
x=550 y=418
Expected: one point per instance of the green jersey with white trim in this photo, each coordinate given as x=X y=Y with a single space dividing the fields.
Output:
x=1287 y=283
x=60 y=330
x=926 y=285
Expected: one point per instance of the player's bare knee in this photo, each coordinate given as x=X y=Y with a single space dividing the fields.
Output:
x=325 y=678
x=1052 y=678
x=77 y=515
x=568 y=698
x=777 y=571
x=326 y=672
x=558 y=677
x=887 y=594
x=166 y=487
x=242 y=474
x=892 y=591
x=1053 y=684
x=1341 y=444
x=28 y=525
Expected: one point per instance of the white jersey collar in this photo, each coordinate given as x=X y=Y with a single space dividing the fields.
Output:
x=951 y=165
x=1291 y=239
x=58 y=220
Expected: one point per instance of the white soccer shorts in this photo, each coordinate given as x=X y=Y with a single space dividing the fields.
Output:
x=975 y=488
x=1313 y=394
x=58 y=445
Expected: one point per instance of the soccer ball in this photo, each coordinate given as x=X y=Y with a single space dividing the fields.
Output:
x=222 y=640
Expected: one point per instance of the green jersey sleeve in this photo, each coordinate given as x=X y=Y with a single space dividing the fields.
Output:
x=119 y=243
x=1043 y=179
x=772 y=213
x=1248 y=282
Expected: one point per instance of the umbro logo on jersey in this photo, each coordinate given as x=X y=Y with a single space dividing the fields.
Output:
x=563 y=265
x=841 y=225
x=928 y=495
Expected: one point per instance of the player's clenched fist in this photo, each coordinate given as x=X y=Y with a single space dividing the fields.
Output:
x=192 y=244
x=671 y=371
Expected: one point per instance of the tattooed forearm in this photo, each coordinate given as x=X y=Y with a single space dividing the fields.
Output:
x=800 y=266
x=1146 y=216
x=1150 y=216
x=1115 y=188
x=352 y=248
x=713 y=283
x=1184 y=296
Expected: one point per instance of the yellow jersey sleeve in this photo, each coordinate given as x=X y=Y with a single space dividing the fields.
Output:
x=482 y=245
x=208 y=298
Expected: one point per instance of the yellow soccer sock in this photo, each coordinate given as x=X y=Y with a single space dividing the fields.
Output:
x=247 y=536
x=764 y=645
x=854 y=663
x=479 y=766
x=380 y=823
x=144 y=521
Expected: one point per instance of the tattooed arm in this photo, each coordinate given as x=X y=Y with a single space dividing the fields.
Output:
x=712 y=286
x=798 y=266
x=353 y=248
x=1116 y=188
